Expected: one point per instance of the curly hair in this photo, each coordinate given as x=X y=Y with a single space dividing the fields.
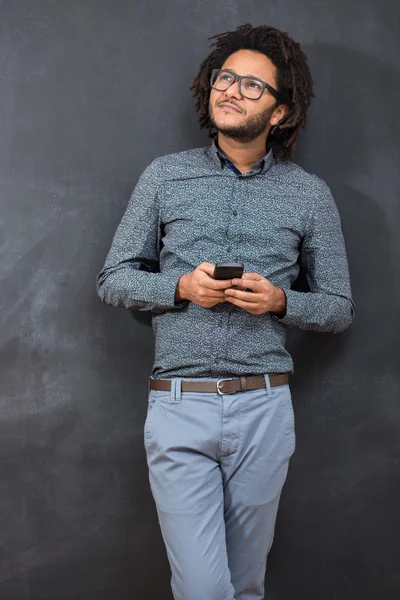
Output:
x=294 y=82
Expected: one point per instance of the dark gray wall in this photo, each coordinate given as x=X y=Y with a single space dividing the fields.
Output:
x=90 y=93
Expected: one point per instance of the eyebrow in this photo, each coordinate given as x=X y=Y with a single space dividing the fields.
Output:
x=247 y=75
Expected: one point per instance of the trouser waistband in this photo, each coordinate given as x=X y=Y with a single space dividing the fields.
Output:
x=225 y=385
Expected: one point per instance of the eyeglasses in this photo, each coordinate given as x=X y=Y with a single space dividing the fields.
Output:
x=249 y=87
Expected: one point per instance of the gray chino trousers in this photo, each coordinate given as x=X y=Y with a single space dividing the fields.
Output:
x=217 y=466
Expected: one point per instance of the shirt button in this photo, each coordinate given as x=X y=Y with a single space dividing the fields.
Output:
x=234 y=212
x=229 y=249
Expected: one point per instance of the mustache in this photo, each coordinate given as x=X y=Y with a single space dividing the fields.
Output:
x=229 y=102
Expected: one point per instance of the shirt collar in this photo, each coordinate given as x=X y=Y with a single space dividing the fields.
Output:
x=220 y=159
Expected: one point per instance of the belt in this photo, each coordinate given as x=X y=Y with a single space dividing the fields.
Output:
x=227 y=385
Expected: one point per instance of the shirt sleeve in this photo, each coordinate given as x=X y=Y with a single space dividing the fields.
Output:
x=126 y=279
x=329 y=305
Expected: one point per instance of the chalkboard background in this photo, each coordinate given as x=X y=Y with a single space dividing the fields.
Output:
x=90 y=93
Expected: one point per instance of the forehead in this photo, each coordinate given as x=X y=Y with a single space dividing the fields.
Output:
x=248 y=62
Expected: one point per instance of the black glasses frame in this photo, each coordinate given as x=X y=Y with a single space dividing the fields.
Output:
x=239 y=78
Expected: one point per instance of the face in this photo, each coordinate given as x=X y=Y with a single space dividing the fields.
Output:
x=240 y=118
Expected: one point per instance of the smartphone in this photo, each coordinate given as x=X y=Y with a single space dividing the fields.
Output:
x=228 y=270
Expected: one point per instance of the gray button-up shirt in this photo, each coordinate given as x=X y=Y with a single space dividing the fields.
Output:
x=195 y=206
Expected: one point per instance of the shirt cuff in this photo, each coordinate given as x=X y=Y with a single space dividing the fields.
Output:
x=164 y=290
x=296 y=305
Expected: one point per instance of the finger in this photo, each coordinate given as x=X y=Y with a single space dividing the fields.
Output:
x=242 y=303
x=255 y=276
x=247 y=283
x=214 y=284
x=219 y=284
x=209 y=282
x=207 y=299
x=207 y=267
x=241 y=295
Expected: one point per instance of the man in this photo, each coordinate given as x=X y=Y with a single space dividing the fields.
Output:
x=219 y=431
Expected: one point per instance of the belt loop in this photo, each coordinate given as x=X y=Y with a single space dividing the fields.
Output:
x=268 y=385
x=176 y=390
x=148 y=385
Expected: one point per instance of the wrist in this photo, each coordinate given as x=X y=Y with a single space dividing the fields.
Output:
x=180 y=291
x=280 y=303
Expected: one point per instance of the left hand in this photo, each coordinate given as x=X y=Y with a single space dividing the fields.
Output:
x=265 y=296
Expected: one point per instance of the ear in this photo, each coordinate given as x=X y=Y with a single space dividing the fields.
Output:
x=278 y=114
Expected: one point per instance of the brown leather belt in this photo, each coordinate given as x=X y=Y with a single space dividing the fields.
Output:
x=227 y=385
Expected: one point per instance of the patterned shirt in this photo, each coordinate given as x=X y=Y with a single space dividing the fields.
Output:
x=195 y=206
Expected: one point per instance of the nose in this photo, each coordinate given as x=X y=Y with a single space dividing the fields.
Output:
x=233 y=91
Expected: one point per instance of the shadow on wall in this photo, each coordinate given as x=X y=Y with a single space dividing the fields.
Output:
x=346 y=386
x=351 y=142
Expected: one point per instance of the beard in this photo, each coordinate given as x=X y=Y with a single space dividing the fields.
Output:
x=247 y=131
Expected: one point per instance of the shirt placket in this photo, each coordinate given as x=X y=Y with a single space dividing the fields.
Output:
x=234 y=180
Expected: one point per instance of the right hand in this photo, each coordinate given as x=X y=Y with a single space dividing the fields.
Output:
x=199 y=286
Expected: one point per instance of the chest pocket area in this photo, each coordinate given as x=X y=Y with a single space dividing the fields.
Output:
x=274 y=238
x=193 y=212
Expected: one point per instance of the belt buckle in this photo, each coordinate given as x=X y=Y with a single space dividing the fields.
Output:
x=219 y=391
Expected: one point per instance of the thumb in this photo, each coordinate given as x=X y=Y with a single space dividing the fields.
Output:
x=254 y=276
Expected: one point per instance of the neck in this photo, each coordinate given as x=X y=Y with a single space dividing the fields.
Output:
x=243 y=155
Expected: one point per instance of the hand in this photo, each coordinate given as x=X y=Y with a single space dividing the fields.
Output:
x=199 y=287
x=265 y=296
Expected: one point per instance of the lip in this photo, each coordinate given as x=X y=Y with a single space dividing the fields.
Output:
x=228 y=107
